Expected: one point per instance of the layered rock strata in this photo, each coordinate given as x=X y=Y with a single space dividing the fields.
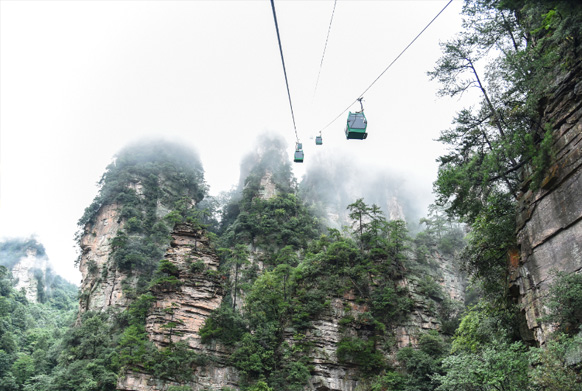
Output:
x=187 y=306
x=101 y=284
x=549 y=222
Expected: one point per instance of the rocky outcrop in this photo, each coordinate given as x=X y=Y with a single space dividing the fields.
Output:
x=394 y=209
x=267 y=187
x=101 y=286
x=27 y=272
x=209 y=378
x=199 y=293
x=180 y=311
x=328 y=374
x=452 y=279
x=326 y=332
x=549 y=223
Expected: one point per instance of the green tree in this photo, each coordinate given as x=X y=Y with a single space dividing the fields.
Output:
x=510 y=54
x=359 y=213
x=23 y=368
x=236 y=257
x=499 y=366
x=565 y=302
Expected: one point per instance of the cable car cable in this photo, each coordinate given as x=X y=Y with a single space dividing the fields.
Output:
x=388 y=67
x=284 y=69
x=324 y=47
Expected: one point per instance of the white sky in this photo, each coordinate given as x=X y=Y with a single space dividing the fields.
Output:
x=81 y=79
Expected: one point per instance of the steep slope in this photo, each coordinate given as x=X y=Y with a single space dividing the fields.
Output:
x=30 y=268
x=149 y=187
x=272 y=302
x=181 y=308
x=300 y=311
x=550 y=218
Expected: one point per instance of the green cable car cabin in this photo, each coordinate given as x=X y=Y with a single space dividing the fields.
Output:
x=298 y=157
x=318 y=140
x=357 y=123
x=356 y=126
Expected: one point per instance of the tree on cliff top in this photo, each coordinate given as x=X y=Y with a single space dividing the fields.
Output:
x=163 y=170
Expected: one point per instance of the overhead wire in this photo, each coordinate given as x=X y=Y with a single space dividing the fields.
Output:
x=388 y=67
x=324 y=48
x=284 y=69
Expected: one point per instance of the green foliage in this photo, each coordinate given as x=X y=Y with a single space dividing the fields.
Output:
x=557 y=365
x=273 y=223
x=481 y=326
x=295 y=289
x=255 y=356
x=260 y=386
x=143 y=177
x=391 y=304
x=512 y=52
x=179 y=388
x=176 y=362
x=422 y=364
x=268 y=224
x=450 y=316
x=430 y=288
x=389 y=381
x=498 y=366
x=31 y=334
x=225 y=325
x=197 y=267
x=565 y=302
x=362 y=353
x=147 y=163
x=542 y=156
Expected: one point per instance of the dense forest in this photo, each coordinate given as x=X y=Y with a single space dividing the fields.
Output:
x=283 y=271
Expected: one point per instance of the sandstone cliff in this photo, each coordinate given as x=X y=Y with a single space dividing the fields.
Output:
x=187 y=305
x=101 y=284
x=29 y=274
x=201 y=290
x=549 y=226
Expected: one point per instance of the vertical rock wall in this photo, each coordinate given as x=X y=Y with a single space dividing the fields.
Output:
x=199 y=294
x=549 y=220
x=23 y=273
x=187 y=306
x=101 y=284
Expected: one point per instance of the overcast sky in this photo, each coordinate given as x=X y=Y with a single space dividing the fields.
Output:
x=81 y=79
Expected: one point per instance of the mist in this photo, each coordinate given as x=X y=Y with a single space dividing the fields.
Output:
x=14 y=249
x=336 y=180
x=334 y=177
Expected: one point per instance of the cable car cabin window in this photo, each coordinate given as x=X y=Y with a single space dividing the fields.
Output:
x=357 y=121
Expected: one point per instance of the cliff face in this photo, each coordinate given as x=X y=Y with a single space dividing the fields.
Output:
x=101 y=283
x=550 y=219
x=24 y=272
x=199 y=294
x=187 y=306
